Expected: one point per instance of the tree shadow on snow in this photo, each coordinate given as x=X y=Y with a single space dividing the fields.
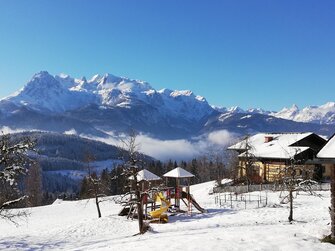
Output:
x=185 y=217
x=24 y=244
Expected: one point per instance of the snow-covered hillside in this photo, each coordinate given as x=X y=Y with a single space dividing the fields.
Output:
x=73 y=225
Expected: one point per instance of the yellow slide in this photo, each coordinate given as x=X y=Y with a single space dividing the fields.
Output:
x=160 y=213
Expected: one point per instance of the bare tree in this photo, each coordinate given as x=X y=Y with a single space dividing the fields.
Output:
x=232 y=164
x=14 y=161
x=293 y=178
x=249 y=159
x=94 y=183
x=211 y=165
x=134 y=161
x=331 y=238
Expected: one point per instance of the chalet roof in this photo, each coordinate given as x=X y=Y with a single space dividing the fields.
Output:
x=146 y=175
x=328 y=151
x=178 y=172
x=277 y=145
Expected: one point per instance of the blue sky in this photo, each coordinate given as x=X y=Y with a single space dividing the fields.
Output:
x=258 y=53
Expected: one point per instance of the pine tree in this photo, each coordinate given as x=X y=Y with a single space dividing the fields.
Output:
x=84 y=189
x=105 y=183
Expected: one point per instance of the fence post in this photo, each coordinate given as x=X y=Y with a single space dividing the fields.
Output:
x=266 y=199
x=258 y=202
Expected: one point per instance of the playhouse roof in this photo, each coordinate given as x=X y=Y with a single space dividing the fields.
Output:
x=146 y=175
x=178 y=172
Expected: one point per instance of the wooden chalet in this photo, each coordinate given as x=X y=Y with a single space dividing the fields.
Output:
x=271 y=152
x=327 y=156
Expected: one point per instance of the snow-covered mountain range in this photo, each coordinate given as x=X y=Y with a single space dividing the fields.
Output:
x=323 y=114
x=108 y=103
x=62 y=93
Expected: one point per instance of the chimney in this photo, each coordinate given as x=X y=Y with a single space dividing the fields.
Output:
x=268 y=139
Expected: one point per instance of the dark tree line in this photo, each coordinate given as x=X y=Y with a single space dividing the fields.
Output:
x=115 y=183
x=56 y=145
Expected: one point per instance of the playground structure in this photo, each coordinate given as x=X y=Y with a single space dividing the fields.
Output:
x=160 y=213
x=180 y=195
x=158 y=201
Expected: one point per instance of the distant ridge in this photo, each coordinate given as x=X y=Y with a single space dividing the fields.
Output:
x=106 y=103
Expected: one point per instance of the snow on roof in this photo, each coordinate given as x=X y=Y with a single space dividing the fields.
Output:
x=277 y=147
x=146 y=175
x=178 y=172
x=328 y=151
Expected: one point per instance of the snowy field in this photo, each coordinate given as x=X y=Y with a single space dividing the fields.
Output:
x=74 y=226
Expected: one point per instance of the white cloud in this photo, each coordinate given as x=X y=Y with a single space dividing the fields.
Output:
x=183 y=149
x=168 y=149
x=7 y=130
x=222 y=137
x=180 y=149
